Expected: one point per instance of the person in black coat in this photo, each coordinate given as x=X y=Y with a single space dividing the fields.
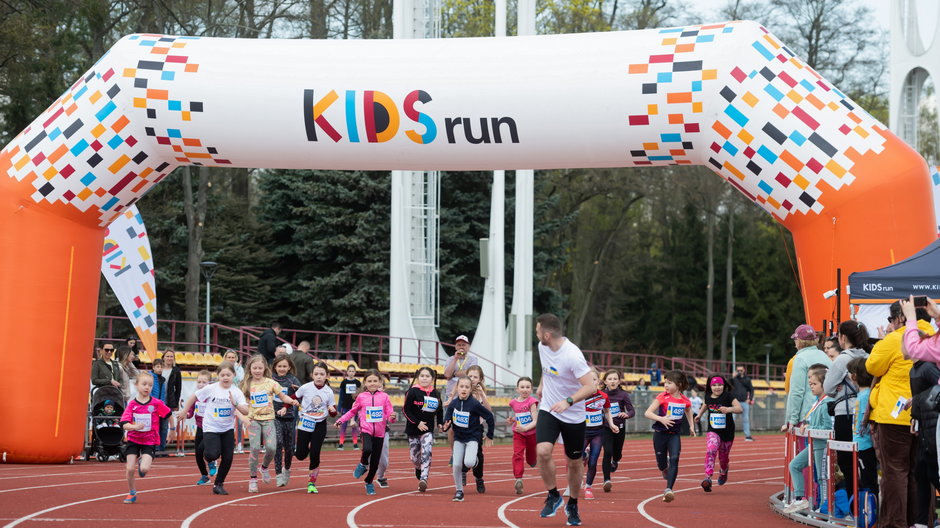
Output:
x=924 y=377
x=269 y=342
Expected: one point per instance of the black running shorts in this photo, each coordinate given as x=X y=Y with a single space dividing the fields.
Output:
x=549 y=427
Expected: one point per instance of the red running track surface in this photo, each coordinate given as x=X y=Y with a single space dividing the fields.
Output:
x=89 y=494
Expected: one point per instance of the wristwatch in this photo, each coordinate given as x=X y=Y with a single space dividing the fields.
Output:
x=570 y=401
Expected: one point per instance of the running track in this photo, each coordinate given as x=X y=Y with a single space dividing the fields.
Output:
x=87 y=494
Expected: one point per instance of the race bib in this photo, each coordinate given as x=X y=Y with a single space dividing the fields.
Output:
x=524 y=418
x=594 y=418
x=307 y=423
x=675 y=410
x=430 y=404
x=200 y=408
x=374 y=414
x=350 y=388
x=143 y=419
x=898 y=407
x=283 y=389
x=717 y=420
x=222 y=412
x=615 y=408
x=462 y=418
x=260 y=399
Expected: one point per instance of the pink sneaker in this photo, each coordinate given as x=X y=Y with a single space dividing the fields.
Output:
x=588 y=492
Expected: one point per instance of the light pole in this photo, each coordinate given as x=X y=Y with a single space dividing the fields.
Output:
x=768 y=347
x=208 y=268
x=734 y=348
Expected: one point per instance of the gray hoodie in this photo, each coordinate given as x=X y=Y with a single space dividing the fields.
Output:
x=838 y=373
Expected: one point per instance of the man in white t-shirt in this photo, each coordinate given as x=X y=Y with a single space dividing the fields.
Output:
x=566 y=383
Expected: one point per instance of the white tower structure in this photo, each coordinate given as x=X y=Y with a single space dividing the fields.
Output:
x=915 y=57
x=414 y=287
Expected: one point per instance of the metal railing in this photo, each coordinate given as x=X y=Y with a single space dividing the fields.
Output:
x=641 y=363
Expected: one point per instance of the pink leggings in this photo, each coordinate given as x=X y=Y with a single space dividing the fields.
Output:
x=715 y=447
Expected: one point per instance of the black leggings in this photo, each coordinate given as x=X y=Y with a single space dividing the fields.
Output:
x=478 y=469
x=371 y=454
x=311 y=442
x=842 y=431
x=667 y=447
x=200 y=454
x=220 y=445
x=285 y=443
x=613 y=449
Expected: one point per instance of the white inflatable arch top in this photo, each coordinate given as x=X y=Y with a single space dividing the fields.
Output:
x=728 y=96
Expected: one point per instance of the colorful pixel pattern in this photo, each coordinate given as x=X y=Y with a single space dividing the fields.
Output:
x=127 y=264
x=85 y=149
x=782 y=136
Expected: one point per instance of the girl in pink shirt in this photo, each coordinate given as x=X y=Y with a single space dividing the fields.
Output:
x=141 y=420
x=525 y=410
x=373 y=410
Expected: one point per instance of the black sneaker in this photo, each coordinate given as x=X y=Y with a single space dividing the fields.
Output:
x=458 y=497
x=614 y=464
x=707 y=485
x=571 y=510
x=552 y=503
x=219 y=490
x=481 y=488
x=383 y=483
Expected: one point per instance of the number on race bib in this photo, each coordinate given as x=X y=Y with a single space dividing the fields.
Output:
x=462 y=418
x=260 y=399
x=143 y=419
x=374 y=414
x=614 y=408
x=307 y=423
x=594 y=418
x=430 y=404
x=717 y=420
x=200 y=408
x=222 y=412
x=524 y=418
x=676 y=410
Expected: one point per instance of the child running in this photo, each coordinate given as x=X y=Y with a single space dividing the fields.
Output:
x=141 y=420
x=621 y=409
x=817 y=418
x=283 y=369
x=667 y=411
x=525 y=411
x=597 y=415
x=720 y=405
x=465 y=413
x=475 y=373
x=261 y=390
x=198 y=410
x=422 y=407
x=222 y=399
x=374 y=411
x=347 y=393
x=318 y=400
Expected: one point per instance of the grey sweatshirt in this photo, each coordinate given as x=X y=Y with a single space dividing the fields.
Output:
x=838 y=373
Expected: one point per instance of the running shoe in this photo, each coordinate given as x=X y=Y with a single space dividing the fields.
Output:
x=339 y=447
x=707 y=485
x=219 y=490
x=265 y=475
x=286 y=476
x=748 y=438
x=253 y=485
x=588 y=492
x=383 y=483
x=614 y=464
x=131 y=498
x=355 y=447
x=422 y=485
x=458 y=497
x=370 y=489
x=203 y=481
x=239 y=449
x=359 y=471
x=668 y=495
x=607 y=486
x=481 y=487
x=797 y=505
x=518 y=486
x=279 y=480
x=571 y=510
x=552 y=503
x=722 y=478
x=312 y=488
x=213 y=469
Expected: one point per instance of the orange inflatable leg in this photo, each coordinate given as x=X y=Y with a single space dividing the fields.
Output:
x=885 y=216
x=49 y=270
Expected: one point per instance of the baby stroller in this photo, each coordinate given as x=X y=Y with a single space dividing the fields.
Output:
x=106 y=431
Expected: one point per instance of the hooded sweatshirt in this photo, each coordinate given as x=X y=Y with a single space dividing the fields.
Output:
x=422 y=406
x=838 y=384
x=373 y=410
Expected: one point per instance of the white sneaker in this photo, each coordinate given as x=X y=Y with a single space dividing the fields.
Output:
x=253 y=486
x=796 y=506
x=265 y=476
x=279 y=479
x=668 y=495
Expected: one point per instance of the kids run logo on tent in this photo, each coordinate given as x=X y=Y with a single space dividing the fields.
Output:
x=382 y=120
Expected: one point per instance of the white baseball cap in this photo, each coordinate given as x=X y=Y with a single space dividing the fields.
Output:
x=461 y=338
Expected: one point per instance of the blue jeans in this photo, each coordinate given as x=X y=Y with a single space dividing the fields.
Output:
x=164 y=429
x=746 y=418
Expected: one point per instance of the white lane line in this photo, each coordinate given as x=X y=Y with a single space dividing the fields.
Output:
x=642 y=506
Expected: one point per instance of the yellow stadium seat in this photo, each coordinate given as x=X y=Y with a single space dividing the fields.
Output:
x=144 y=357
x=216 y=359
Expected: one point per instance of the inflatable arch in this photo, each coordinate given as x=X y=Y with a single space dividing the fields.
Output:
x=728 y=96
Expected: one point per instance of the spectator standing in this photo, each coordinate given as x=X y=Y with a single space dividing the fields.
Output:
x=174 y=387
x=159 y=392
x=895 y=446
x=831 y=347
x=303 y=363
x=799 y=399
x=268 y=343
x=106 y=371
x=743 y=390
x=129 y=372
x=458 y=364
x=656 y=375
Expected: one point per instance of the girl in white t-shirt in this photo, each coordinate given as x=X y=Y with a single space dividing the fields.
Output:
x=222 y=401
x=317 y=400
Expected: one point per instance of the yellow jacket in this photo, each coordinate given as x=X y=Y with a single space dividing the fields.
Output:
x=887 y=362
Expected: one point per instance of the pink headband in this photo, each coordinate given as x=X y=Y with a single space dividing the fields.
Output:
x=716 y=380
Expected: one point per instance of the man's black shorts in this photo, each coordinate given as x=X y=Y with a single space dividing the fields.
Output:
x=549 y=427
x=132 y=448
